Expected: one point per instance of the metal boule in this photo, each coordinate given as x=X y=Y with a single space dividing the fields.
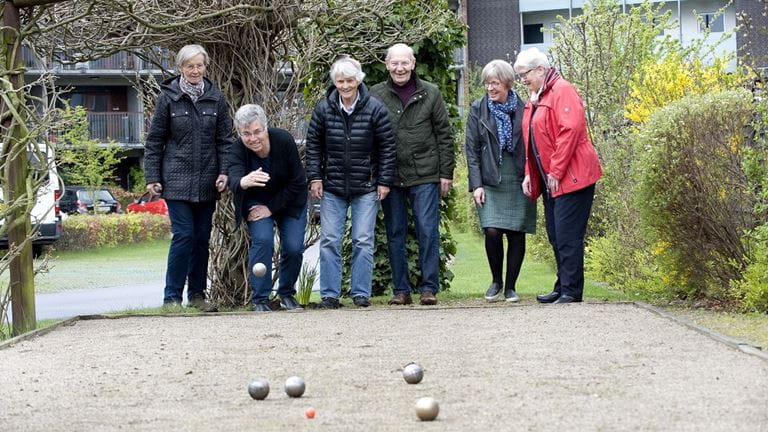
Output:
x=259 y=269
x=294 y=386
x=413 y=373
x=258 y=388
x=427 y=409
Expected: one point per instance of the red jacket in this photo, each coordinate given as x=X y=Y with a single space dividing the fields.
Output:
x=560 y=134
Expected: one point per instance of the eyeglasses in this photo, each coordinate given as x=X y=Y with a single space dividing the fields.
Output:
x=492 y=84
x=253 y=134
x=522 y=75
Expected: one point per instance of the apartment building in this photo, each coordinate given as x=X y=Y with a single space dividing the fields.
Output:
x=106 y=89
x=502 y=28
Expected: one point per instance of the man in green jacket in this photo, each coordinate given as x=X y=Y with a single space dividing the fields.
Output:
x=425 y=163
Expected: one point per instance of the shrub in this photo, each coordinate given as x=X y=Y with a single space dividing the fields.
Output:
x=752 y=290
x=693 y=196
x=93 y=231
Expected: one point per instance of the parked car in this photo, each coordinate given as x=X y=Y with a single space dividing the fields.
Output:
x=45 y=215
x=77 y=199
x=144 y=204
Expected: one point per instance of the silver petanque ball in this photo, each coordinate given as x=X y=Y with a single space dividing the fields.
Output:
x=259 y=269
x=427 y=409
x=413 y=373
x=294 y=386
x=258 y=388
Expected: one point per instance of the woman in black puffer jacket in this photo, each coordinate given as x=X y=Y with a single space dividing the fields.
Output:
x=185 y=159
x=350 y=162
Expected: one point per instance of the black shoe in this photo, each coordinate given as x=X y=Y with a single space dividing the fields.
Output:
x=361 y=301
x=202 y=305
x=510 y=295
x=566 y=299
x=492 y=295
x=548 y=298
x=262 y=306
x=428 y=299
x=328 y=303
x=290 y=304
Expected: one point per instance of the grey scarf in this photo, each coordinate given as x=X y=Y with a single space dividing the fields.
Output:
x=194 y=91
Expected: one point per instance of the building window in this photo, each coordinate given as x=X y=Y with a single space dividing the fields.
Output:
x=711 y=21
x=532 y=34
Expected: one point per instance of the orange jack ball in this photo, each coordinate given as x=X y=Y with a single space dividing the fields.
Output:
x=310 y=413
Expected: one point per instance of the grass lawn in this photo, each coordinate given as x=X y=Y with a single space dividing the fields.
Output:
x=103 y=267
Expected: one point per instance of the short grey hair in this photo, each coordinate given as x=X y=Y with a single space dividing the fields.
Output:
x=400 y=46
x=347 y=67
x=500 y=70
x=531 y=59
x=248 y=114
x=189 y=51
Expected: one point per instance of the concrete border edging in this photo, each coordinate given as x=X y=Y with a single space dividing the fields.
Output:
x=38 y=332
x=731 y=342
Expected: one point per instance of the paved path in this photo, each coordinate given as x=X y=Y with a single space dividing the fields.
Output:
x=583 y=367
x=116 y=298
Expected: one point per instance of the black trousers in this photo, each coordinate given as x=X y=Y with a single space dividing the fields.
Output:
x=566 y=217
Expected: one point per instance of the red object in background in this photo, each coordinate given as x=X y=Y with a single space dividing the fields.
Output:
x=143 y=205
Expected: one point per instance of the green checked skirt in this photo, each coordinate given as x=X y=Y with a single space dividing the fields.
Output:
x=506 y=206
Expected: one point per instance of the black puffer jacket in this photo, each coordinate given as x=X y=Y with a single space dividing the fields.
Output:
x=188 y=142
x=351 y=154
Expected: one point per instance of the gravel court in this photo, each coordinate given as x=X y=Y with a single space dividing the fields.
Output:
x=523 y=367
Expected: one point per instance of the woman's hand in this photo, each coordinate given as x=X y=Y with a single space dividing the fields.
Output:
x=221 y=183
x=256 y=178
x=382 y=192
x=316 y=189
x=527 y=186
x=552 y=184
x=258 y=212
x=479 y=195
x=154 y=189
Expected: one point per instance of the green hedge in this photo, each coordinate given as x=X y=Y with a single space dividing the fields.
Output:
x=93 y=231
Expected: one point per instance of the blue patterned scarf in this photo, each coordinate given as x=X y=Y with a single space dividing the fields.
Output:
x=503 y=113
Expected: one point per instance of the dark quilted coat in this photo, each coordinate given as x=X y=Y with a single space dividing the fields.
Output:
x=188 y=142
x=351 y=154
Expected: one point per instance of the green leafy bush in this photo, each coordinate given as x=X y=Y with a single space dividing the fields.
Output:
x=93 y=231
x=692 y=193
x=752 y=290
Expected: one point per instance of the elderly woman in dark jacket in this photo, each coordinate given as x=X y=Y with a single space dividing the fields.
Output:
x=350 y=163
x=185 y=160
x=270 y=188
x=496 y=162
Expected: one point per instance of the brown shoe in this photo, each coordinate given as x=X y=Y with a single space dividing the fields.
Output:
x=428 y=298
x=401 y=299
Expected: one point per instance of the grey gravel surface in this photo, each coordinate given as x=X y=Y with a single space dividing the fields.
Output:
x=603 y=367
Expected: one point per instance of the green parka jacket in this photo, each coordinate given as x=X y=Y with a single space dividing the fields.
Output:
x=422 y=133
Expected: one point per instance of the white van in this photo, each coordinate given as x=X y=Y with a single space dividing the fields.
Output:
x=45 y=216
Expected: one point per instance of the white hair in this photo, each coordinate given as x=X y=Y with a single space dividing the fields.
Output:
x=189 y=51
x=347 y=67
x=398 y=47
x=532 y=58
x=248 y=114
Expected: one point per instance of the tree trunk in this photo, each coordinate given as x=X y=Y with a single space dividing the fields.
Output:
x=22 y=282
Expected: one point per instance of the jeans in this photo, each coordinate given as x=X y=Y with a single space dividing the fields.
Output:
x=188 y=256
x=425 y=202
x=566 y=217
x=333 y=216
x=262 y=249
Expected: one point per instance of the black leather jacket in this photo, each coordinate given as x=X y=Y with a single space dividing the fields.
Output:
x=482 y=145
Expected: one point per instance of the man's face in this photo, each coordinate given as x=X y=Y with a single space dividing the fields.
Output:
x=400 y=65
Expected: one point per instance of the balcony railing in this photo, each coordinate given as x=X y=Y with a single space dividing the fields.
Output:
x=121 y=61
x=121 y=127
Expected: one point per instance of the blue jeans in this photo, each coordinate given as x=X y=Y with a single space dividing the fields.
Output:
x=333 y=217
x=188 y=256
x=566 y=217
x=262 y=249
x=425 y=202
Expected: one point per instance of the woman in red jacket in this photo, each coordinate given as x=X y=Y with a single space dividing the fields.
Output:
x=561 y=165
